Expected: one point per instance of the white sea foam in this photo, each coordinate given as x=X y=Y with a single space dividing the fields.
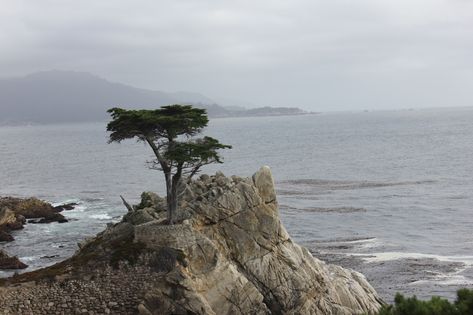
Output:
x=29 y=258
x=78 y=208
x=371 y=243
x=100 y=216
x=362 y=240
x=446 y=279
x=64 y=202
x=386 y=256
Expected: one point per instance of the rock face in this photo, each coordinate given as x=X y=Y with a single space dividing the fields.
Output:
x=232 y=255
x=8 y=262
x=229 y=254
x=33 y=208
x=15 y=211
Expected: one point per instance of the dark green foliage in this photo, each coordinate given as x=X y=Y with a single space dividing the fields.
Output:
x=169 y=131
x=195 y=152
x=148 y=200
x=166 y=122
x=161 y=129
x=435 y=306
x=464 y=302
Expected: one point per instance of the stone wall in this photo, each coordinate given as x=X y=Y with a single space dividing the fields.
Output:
x=102 y=291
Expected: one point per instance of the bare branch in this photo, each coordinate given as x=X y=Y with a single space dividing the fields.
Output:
x=127 y=205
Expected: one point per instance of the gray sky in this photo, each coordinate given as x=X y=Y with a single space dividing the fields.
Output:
x=318 y=55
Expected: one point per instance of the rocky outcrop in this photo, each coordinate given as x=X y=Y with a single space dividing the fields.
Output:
x=8 y=221
x=33 y=208
x=13 y=215
x=8 y=262
x=228 y=254
x=232 y=255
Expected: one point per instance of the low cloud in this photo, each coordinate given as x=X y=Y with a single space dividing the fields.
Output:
x=320 y=55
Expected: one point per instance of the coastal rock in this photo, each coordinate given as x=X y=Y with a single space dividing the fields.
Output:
x=9 y=221
x=33 y=208
x=65 y=206
x=8 y=262
x=13 y=215
x=151 y=200
x=234 y=256
x=228 y=254
x=263 y=180
x=7 y=217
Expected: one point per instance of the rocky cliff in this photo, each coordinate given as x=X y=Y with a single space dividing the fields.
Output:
x=229 y=254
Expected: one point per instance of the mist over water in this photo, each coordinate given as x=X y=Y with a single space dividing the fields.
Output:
x=386 y=193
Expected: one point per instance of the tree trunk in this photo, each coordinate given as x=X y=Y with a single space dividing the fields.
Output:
x=173 y=195
x=169 y=198
x=173 y=204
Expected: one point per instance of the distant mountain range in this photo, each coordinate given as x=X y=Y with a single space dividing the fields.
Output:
x=66 y=96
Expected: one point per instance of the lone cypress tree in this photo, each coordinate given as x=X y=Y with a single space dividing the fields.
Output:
x=169 y=131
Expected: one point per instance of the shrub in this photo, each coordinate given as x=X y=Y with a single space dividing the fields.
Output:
x=463 y=305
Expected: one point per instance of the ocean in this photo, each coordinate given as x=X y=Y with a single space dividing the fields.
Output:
x=387 y=193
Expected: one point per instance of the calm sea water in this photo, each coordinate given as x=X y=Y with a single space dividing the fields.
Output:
x=387 y=193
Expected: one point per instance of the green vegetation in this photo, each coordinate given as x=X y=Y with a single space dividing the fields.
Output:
x=463 y=305
x=169 y=131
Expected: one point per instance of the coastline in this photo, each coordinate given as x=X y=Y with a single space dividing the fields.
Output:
x=425 y=213
x=228 y=253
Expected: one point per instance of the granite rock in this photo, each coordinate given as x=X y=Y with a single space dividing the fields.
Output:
x=227 y=254
x=232 y=255
x=8 y=262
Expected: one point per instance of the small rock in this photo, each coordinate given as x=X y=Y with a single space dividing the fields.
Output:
x=7 y=262
x=5 y=237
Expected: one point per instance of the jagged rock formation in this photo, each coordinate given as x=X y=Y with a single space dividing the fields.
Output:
x=15 y=211
x=232 y=255
x=8 y=262
x=229 y=254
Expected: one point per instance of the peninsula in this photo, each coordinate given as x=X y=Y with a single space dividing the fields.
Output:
x=228 y=253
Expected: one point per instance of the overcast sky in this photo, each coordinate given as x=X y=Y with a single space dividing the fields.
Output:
x=318 y=55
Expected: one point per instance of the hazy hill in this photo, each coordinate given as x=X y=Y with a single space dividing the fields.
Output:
x=70 y=96
x=66 y=96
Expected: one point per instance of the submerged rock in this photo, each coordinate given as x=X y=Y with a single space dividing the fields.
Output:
x=66 y=206
x=229 y=254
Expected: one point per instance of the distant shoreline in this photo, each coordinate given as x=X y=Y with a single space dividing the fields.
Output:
x=29 y=123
